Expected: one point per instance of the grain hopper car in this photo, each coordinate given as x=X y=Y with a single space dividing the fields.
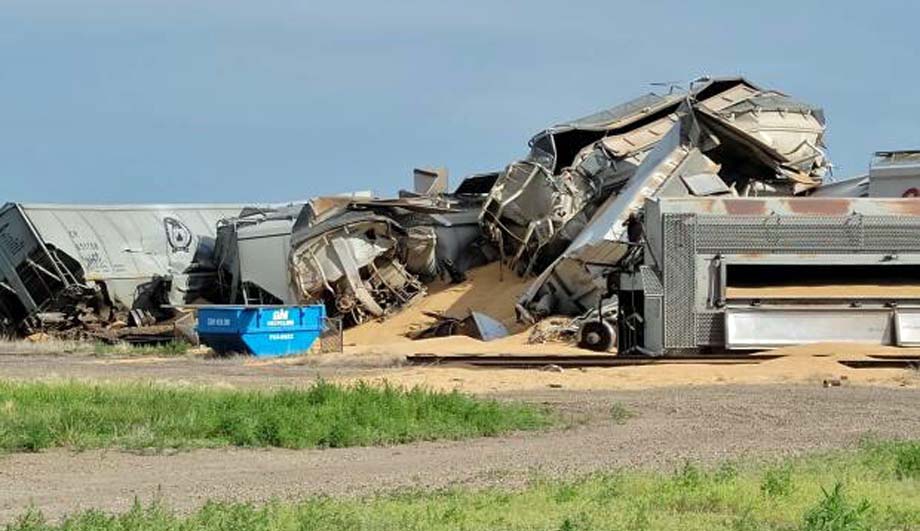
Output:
x=722 y=273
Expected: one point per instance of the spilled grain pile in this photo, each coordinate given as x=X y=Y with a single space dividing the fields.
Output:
x=487 y=289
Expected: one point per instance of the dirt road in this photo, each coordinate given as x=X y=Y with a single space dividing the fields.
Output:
x=672 y=424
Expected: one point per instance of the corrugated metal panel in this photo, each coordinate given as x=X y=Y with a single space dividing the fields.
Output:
x=641 y=138
x=620 y=115
x=730 y=97
x=125 y=245
x=127 y=241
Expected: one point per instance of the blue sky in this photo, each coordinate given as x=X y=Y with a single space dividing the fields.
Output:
x=224 y=100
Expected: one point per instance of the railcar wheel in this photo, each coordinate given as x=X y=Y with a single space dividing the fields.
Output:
x=597 y=336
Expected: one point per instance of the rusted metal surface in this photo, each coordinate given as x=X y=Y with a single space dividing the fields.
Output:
x=798 y=206
x=745 y=207
x=819 y=207
x=908 y=207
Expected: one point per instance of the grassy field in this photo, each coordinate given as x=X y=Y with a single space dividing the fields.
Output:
x=875 y=488
x=34 y=416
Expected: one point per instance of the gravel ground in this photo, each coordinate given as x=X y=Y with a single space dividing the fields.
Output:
x=233 y=371
x=670 y=425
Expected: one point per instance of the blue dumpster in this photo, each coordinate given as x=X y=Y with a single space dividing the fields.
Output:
x=261 y=330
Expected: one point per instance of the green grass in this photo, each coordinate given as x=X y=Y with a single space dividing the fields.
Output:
x=620 y=413
x=853 y=491
x=34 y=416
x=171 y=348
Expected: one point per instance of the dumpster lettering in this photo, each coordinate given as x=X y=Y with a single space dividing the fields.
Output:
x=218 y=321
x=280 y=318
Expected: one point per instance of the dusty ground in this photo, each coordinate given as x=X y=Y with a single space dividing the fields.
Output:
x=708 y=423
x=809 y=365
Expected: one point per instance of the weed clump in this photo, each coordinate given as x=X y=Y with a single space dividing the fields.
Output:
x=777 y=482
x=620 y=413
x=689 y=476
x=836 y=513
x=907 y=461
x=898 y=458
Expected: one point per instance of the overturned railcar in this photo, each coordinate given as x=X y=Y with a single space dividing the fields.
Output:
x=703 y=154
x=719 y=273
x=762 y=141
x=68 y=259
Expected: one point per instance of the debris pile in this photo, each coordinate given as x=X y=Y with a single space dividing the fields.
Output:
x=757 y=141
x=553 y=330
x=563 y=214
x=572 y=201
x=363 y=257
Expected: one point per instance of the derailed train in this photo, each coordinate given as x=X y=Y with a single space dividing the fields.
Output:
x=67 y=266
x=573 y=213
